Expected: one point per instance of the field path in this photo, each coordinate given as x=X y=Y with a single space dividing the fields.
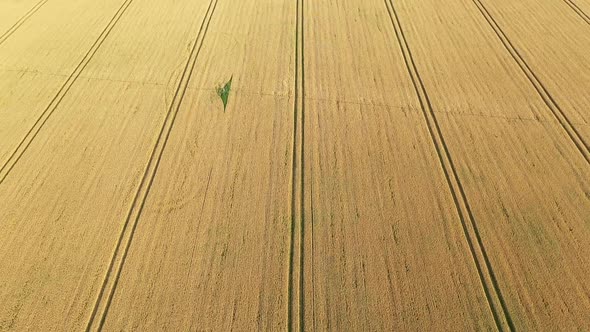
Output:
x=66 y=201
x=524 y=181
x=211 y=244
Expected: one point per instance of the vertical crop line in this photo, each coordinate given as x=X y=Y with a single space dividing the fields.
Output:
x=297 y=237
x=302 y=171
x=293 y=179
x=452 y=178
x=28 y=138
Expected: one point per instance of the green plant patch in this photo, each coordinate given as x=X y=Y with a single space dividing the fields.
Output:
x=223 y=92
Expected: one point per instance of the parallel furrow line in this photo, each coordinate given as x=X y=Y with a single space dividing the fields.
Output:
x=295 y=293
x=302 y=157
x=485 y=272
x=65 y=88
x=113 y=273
x=553 y=106
x=21 y=21
x=578 y=10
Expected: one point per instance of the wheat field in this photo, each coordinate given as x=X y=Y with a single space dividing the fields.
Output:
x=299 y=165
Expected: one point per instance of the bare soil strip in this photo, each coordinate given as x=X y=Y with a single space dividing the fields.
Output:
x=65 y=203
x=9 y=12
x=211 y=245
x=516 y=198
